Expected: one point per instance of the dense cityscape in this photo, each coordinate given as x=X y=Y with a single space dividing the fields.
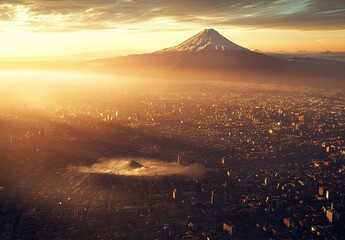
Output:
x=239 y=161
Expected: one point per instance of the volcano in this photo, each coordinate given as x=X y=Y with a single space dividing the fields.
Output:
x=207 y=40
x=207 y=50
x=210 y=52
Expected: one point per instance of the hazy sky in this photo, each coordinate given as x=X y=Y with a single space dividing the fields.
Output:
x=30 y=28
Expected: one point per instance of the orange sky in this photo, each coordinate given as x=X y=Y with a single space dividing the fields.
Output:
x=90 y=28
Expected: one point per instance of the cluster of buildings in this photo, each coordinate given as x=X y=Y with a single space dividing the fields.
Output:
x=274 y=167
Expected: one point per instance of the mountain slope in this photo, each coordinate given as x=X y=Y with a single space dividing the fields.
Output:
x=209 y=51
x=209 y=39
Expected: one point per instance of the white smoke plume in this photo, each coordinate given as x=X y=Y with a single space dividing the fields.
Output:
x=143 y=167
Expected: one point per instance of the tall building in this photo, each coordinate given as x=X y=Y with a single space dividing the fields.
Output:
x=329 y=194
x=218 y=198
x=301 y=118
x=178 y=160
x=330 y=214
x=322 y=191
x=41 y=132
x=39 y=154
x=223 y=161
x=230 y=228
x=174 y=194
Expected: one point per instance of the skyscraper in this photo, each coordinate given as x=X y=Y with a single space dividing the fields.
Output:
x=218 y=198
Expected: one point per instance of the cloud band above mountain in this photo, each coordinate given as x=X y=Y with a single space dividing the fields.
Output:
x=69 y=15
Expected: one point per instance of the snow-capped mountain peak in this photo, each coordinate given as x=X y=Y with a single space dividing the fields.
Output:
x=208 y=39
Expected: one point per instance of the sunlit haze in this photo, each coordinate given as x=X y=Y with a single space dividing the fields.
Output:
x=143 y=167
x=89 y=29
x=172 y=120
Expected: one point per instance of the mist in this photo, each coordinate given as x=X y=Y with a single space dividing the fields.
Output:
x=149 y=168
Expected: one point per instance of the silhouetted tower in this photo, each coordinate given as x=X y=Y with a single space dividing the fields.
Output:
x=178 y=160
x=12 y=137
x=218 y=198
x=41 y=132
x=39 y=153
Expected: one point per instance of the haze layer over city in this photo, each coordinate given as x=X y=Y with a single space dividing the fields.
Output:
x=172 y=120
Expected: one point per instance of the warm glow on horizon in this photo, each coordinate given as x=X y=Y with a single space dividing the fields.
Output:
x=87 y=30
x=103 y=43
x=179 y=119
x=94 y=43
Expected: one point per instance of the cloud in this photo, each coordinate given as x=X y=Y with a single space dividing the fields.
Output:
x=94 y=14
x=143 y=167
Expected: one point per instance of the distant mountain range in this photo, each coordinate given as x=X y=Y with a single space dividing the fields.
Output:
x=326 y=55
x=209 y=51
